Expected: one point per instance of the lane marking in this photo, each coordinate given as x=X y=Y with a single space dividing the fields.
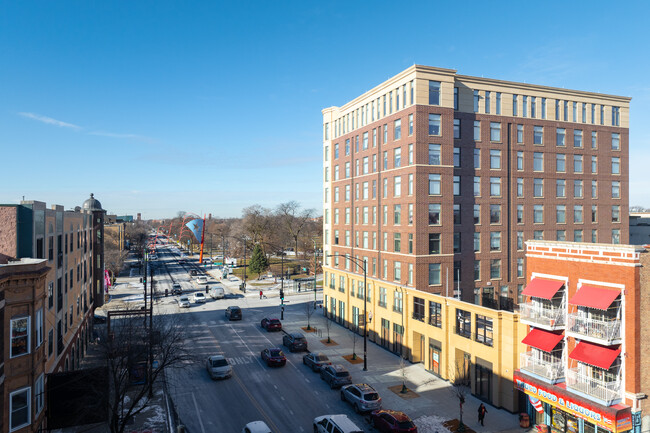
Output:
x=198 y=414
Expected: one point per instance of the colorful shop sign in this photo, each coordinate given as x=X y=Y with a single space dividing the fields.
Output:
x=616 y=420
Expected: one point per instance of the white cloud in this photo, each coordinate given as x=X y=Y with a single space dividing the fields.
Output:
x=49 y=120
x=123 y=136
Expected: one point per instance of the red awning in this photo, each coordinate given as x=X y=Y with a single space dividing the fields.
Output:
x=543 y=340
x=594 y=297
x=593 y=354
x=541 y=288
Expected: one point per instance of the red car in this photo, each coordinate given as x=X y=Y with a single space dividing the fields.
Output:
x=271 y=324
x=274 y=357
x=391 y=421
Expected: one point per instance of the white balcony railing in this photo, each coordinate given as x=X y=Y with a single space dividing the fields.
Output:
x=606 y=330
x=597 y=388
x=551 y=369
x=552 y=317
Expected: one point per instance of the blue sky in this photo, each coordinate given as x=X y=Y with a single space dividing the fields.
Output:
x=205 y=106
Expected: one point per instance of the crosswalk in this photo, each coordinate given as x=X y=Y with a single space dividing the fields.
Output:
x=241 y=360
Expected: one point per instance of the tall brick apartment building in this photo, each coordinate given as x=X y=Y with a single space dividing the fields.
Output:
x=436 y=180
x=51 y=280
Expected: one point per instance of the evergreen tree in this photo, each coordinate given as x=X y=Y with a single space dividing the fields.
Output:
x=259 y=263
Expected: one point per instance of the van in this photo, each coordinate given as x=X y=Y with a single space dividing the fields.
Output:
x=335 y=423
x=217 y=292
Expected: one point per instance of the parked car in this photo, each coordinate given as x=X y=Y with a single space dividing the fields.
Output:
x=199 y=298
x=193 y=272
x=274 y=357
x=202 y=280
x=217 y=292
x=233 y=313
x=271 y=324
x=335 y=423
x=153 y=257
x=296 y=342
x=316 y=361
x=184 y=301
x=392 y=421
x=362 y=397
x=177 y=289
x=218 y=367
x=335 y=375
x=256 y=427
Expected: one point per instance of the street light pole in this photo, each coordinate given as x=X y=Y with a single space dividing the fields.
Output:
x=315 y=268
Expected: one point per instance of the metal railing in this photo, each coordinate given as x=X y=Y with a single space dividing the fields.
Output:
x=551 y=369
x=606 y=391
x=542 y=315
x=606 y=330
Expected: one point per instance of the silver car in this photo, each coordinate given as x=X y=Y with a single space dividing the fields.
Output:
x=362 y=396
x=218 y=367
x=335 y=375
x=184 y=301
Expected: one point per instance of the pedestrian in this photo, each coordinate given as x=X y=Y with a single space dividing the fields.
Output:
x=261 y=294
x=481 y=413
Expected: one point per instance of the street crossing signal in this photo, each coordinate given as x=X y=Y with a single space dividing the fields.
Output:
x=281 y=294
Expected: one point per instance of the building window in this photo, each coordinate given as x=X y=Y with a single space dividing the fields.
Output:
x=566 y=111
x=543 y=108
x=456 y=209
x=577 y=235
x=520 y=241
x=616 y=214
x=456 y=128
x=397 y=186
x=577 y=138
x=560 y=188
x=487 y=102
x=477 y=158
x=455 y=98
x=559 y=137
x=538 y=161
x=477 y=214
x=560 y=163
x=477 y=270
x=525 y=106
x=533 y=107
x=584 y=112
x=397 y=214
x=397 y=301
x=594 y=236
x=560 y=235
x=495 y=268
x=385 y=133
x=456 y=156
x=616 y=165
x=38 y=325
x=577 y=214
x=495 y=241
x=495 y=187
x=434 y=184
x=495 y=214
x=616 y=141
x=477 y=130
x=410 y=124
x=382 y=297
x=594 y=209
x=397 y=129
x=577 y=164
x=577 y=189
x=484 y=330
x=495 y=131
x=20 y=333
x=456 y=185
x=594 y=164
x=463 y=323
x=498 y=103
x=616 y=116
x=514 y=105
x=520 y=160
x=434 y=92
x=477 y=186
x=418 y=309
x=560 y=214
x=495 y=159
x=616 y=189
x=538 y=187
x=434 y=124
x=538 y=213
x=538 y=135
x=410 y=185
x=520 y=134
x=456 y=242
x=476 y=100
x=616 y=236
x=434 y=274
x=39 y=394
x=477 y=242
x=411 y=154
x=434 y=154
x=434 y=214
x=575 y=111
x=20 y=409
x=435 y=314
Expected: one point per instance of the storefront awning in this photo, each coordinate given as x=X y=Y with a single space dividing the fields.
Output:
x=542 y=340
x=594 y=297
x=541 y=288
x=593 y=354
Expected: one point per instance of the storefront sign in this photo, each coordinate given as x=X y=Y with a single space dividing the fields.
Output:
x=607 y=417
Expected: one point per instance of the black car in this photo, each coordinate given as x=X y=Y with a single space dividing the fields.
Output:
x=176 y=289
x=296 y=342
x=233 y=313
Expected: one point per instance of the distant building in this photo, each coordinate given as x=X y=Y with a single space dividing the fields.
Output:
x=64 y=251
x=586 y=367
x=640 y=228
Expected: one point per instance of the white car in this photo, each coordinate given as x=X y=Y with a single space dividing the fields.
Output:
x=202 y=280
x=199 y=298
x=218 y=367
x=184 y=301
x=256 y=427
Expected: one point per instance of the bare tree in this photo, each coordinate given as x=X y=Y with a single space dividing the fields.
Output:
x=114 y=256
x=460 y=388
x=137 y=234
x=402 y=366
x=256 y=223
x=328 y=326
x=126 y=354
x=309 y=310
x=354 y=341
x=294 y=219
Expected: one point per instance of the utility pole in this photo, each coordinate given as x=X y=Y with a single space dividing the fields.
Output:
x=315 y=268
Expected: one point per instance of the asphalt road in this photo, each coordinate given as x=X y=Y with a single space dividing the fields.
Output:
x=286 y=398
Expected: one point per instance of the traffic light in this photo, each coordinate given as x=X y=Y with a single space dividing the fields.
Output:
x=281 y=295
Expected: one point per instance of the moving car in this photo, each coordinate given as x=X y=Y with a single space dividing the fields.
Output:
x=233 y=313
x=199 y=298
x=274 y=357
x=271 y=324
x=202 y=280
x=335 y=375
x=217 y=292
x=335 y=423
x=316 y=361
x=362 y=397
x=296 y=342
x=256 y=427
x=184 y=302
x=177 y=289
x=218 y=367
x=392 y=421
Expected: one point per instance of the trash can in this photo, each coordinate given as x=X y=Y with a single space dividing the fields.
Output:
x=524 y=420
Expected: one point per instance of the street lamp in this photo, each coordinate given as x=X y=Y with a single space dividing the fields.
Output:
x=364 y=265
